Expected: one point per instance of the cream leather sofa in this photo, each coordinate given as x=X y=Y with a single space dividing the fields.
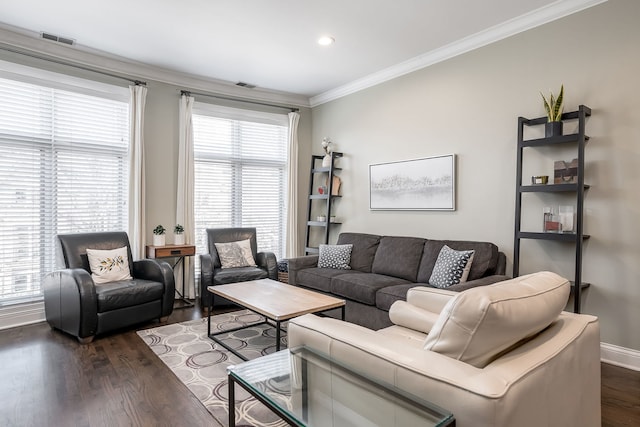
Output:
x=498 y=355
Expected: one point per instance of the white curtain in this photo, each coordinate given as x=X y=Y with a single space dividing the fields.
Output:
x=137 y=237
x=292 y=245
x=184 y=209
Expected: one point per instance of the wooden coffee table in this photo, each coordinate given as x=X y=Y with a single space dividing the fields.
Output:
x=275 y=301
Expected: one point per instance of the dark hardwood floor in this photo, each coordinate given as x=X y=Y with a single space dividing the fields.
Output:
x=49 y=379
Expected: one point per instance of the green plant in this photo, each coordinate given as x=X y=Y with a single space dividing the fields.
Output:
x=178 y=229
x=553 y=106
x=159 y=230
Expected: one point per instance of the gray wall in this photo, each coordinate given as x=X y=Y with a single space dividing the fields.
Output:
x=469 y=106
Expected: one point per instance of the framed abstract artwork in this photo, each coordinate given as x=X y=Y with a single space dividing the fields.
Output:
x=418 y=184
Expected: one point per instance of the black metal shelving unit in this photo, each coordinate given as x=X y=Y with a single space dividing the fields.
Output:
x=327 y=199
x=578 y=237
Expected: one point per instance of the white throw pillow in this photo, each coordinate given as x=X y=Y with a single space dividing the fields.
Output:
x=235 y=254
x=452 y=267
x=109 y=265
x=478 y=324
x=335 y=256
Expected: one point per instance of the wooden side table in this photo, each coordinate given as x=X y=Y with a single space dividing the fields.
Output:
x=179 y=252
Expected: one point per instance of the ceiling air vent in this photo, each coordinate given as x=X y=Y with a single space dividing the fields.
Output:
x=54 y=38
x=247 y=85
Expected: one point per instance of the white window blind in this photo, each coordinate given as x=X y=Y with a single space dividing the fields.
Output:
x=240 y=174
x=63 y=169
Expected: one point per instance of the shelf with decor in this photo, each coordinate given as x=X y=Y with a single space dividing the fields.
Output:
x=321 y=199
x=576 y=188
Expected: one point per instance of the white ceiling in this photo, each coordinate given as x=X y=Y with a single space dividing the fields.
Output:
x=272 y=43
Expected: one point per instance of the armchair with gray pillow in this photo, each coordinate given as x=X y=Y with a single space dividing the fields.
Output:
x=221 y=268
x=84 y=298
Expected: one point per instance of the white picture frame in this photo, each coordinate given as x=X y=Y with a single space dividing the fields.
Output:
x=419 y=184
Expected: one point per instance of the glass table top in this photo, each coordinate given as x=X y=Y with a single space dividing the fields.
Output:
x=312 y=390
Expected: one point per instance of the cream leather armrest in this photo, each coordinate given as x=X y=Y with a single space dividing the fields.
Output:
x=409 y=316
x=430 y=299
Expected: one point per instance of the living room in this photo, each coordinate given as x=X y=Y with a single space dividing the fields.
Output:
x=467 y=105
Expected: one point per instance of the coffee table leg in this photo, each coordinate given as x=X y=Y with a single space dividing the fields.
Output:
x=342 y=311
x=209 y=315
x=277 y=335
x=232 y=403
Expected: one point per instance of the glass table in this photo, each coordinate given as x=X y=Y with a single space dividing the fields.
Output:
x=306 y=388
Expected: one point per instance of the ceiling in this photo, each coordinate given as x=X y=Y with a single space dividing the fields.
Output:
x=273 y=43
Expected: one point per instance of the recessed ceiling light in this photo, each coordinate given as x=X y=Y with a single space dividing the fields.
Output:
x=326 y=40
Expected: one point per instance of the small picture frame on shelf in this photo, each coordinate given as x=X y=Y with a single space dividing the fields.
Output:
x=565 y=172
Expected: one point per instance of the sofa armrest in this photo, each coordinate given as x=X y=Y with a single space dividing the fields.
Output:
x=409 y=316
x=300 y=263
x=501 y=266
x=267 y=261
x=206 y=278
x=432 y=300
x=70 y=302
x=158 y=271
x=483 y=281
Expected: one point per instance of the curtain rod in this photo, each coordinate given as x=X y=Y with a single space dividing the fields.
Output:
x=71 y=64
x=229 y=98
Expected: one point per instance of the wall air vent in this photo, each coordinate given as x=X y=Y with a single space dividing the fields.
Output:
x=58 y=39
x=247 y=85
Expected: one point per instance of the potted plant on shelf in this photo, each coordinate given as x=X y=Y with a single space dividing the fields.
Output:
x=553 y=107
x=326 y=145
x=158 y=235
x=178 y=235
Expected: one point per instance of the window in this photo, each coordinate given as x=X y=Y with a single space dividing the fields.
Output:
x=63 y=169
x=240 y=173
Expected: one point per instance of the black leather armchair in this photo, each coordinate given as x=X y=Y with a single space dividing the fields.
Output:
x=212 y=273
x=77 y=306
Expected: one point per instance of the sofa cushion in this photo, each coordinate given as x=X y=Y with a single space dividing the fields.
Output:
x=223 y=276
x=362 y=287
x=127 y=293
x=398 y=257
x=364 y=249
x=485 y=257
x=480 y=323
x=319 y=278
x=387 y=296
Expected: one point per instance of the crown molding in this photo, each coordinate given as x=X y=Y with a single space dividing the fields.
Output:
x=546 y=14
x=19 y=40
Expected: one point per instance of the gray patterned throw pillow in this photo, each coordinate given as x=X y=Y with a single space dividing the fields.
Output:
x=452 y=267
x=235 y=254
x=335 y=256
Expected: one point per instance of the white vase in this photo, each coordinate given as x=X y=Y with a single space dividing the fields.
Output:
x=158 y=240
x=178 y=239
x=326 y=161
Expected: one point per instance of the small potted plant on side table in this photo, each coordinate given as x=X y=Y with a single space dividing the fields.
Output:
x=158 y=235
x=178 y=235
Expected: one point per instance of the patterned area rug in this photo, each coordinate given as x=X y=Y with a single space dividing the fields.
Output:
x=201 y=364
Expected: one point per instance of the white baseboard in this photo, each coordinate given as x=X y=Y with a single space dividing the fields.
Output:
x=620 y=356
x=21 y=314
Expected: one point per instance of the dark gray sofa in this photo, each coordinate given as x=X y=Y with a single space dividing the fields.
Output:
x=384 y=268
